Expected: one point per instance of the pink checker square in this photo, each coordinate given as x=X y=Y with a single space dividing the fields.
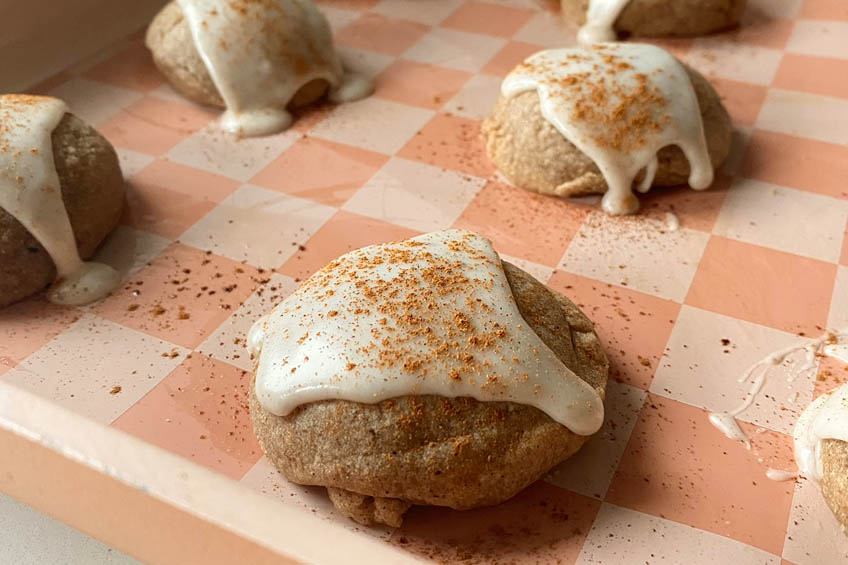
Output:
x=342 y=233
x=734 y=278
x=844 y=259
x=815 y=166
x=508 y=216
x=375 y=32
x=508 y=57
x=27 y=326
x=543 y=524
x=742 y=100
x=634 y=327
x=817 y=75
x=694 y=209
x=825 y=10
x=182 y=296
x=153 y=125
x=132 y=68
x=488 y=19
x=450 y=142
x=679 y=467
x=320 y=170
x=419 y=84
x=199 y=411
x=167 y=198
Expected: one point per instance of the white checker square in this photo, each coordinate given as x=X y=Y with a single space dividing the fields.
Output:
x=477 y=97
x=621 y=535
x=264 y=479
x=128 y=249
x=213 y=150
x=739 y=140
x=258 y=225
x=636 y=252
x=228 y=343
x=805 y=115
x=455 y=49
x=782 y=218
x=838 y=318
x=374 y=124
x=700 y=370
x=813 y=536
x=590 y=471
x=121 y=366
x=421 y=11
x=773 y=9
x=414 y=195
x=338 y=17
x=819 y=38
x=541 y=273
x=735 y=61
x=92 y=101
x=132 y=162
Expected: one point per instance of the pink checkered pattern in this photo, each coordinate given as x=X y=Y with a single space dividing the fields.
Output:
x=217 y=231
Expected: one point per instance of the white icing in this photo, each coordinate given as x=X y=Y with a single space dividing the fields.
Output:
x=600 y=19
x=619 y=104
x=825 y=418
x=259 y=53
x=780 y=475
x=672 y=222
x=831 y=344
x=31 y=193
x=431 y=315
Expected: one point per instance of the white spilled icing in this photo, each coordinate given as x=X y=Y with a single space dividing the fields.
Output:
x=831 y=344
x=781 y=475
x=825 y=418
x=672 y=222
x=430 y=315
x=256 y=336
x=259 y=53
x=31 y=193
x=619 y=104
x=600 y=20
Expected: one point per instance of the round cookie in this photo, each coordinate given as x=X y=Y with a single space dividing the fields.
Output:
x=378 y=459
x=534 y=155
x=93 y=192
x=176 y=56
x=834 y=480
x=666 y=18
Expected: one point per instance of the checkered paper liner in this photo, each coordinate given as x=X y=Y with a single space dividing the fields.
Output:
x=216 y=231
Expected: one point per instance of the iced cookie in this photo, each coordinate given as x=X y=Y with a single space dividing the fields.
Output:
x=821 y=448
x=605 y=20
x=606 y=119
x=255 y=58
x=61 y=193
x=424 y=372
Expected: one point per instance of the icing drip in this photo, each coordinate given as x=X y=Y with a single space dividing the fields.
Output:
x=259 y=53
x=825 y=418
x=600 y=19
x=430 y=315
x=619 y=104
x=31 y=193
x=832 y=344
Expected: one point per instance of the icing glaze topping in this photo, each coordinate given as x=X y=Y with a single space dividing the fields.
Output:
x=619 y=104
x=259 y=53
x=831 y=344
x=600 y=19
x=430 y=315
x=31 y=193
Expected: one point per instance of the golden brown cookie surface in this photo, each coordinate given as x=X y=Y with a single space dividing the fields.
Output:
x=455 y=452
x=534 y=155
x=93 y=193
x=834 y=481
